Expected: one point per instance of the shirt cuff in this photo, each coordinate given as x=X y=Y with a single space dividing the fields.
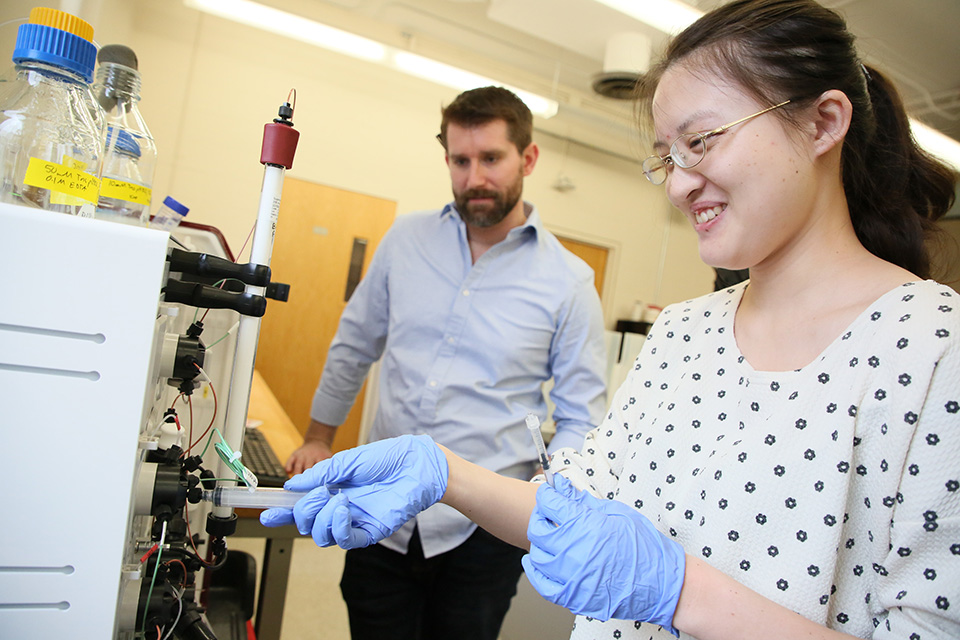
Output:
x=328 y=409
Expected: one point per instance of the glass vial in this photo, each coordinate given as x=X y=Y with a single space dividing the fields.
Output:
x=169 y=216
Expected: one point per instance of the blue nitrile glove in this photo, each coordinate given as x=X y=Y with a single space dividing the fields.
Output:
x=382 y=485
x=601 y=558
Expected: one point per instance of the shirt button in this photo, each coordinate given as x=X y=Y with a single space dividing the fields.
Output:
x=433 y=383
x=466 y=292
x=450 y=340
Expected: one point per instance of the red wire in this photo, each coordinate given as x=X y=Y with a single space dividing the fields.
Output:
x=183 y=583
x=190 y=432
x=184 y=453
x=212 y=420
x=240 y=253
x=192 y=543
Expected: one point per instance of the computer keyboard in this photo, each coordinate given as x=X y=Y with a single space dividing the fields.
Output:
x=260 y=458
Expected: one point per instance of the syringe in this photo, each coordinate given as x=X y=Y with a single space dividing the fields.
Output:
x=533 y=424
x=242 y=497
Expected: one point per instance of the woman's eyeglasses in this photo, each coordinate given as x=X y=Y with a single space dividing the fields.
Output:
x=688 y=149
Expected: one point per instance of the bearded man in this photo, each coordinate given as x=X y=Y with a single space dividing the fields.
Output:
x=471 y=309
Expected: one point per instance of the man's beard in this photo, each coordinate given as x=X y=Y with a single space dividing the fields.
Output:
x=485 y=215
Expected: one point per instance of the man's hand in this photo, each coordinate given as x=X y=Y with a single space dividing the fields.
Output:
x=310 y=453
x=317 y=445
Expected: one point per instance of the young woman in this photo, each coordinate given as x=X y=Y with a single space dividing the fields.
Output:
x=783 y=460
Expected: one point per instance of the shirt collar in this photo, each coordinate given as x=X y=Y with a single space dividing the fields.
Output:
x=533 y=222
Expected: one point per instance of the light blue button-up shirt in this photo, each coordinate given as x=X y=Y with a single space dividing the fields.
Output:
x=466 y=348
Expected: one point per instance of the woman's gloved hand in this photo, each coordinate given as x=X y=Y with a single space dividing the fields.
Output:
x=601 y=558
x=381 y=486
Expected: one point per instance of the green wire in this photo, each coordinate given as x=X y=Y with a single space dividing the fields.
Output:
x=153 y=580
x=227 y=455
x=218 y=341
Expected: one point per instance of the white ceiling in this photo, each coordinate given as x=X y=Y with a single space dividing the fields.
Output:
x=555 y=47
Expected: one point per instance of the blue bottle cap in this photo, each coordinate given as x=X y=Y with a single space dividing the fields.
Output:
x=56 y=47
x=123 y=142
x=175 y=206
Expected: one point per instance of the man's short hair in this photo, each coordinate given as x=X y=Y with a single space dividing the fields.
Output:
x=477 y=107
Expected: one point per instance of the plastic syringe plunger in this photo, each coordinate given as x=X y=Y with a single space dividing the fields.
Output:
x=533 y=425
x=244 y=498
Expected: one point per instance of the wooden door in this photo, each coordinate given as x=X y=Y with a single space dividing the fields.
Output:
x=319 y=232
x=594 y=255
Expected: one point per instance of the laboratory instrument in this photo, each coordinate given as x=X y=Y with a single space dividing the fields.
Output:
x=260 y=498
x=92 y=320
x=130 y=153
x=533 y=425
x=51 y=129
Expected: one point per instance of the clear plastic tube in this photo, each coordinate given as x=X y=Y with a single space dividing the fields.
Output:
x=169 y=215
x=244 y=498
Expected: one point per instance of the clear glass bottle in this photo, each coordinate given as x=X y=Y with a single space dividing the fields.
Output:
x=51 y=131
x=123 y=195
x=130 y=153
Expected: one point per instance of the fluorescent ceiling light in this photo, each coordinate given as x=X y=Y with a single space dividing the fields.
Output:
x=462 y=80
x=286 y=24
x=669 y=16
x=293 y=26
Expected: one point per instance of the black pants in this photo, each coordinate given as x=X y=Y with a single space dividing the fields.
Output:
x=463 y=594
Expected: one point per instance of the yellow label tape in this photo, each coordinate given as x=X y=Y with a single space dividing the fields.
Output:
x=120 y=190
x=62 y=179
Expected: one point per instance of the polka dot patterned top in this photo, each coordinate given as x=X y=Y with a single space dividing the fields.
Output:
x=833 y=490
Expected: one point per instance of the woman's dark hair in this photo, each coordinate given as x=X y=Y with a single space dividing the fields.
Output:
x=477 y=107
x=797 y=49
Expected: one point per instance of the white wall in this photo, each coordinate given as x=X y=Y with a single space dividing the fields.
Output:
x=210 y=85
